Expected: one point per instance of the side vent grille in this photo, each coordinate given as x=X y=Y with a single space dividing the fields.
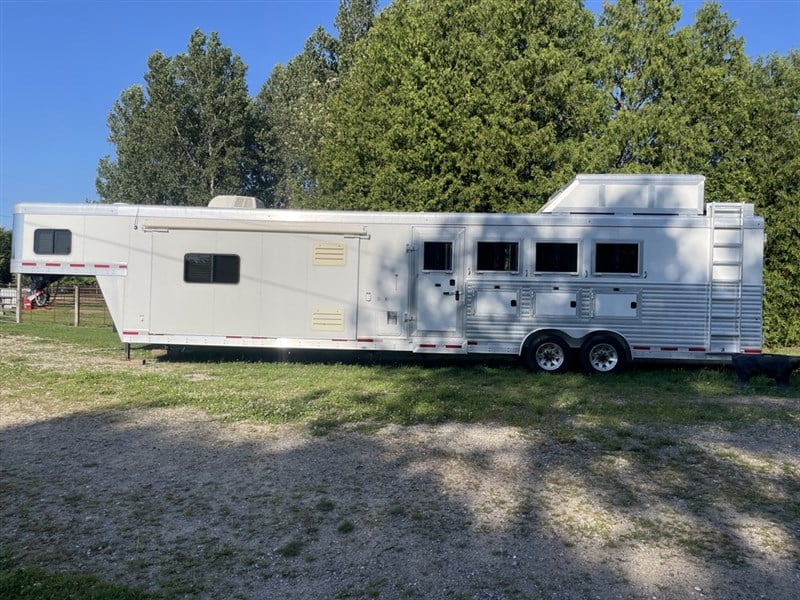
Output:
x=327 y=319
x=330 y=255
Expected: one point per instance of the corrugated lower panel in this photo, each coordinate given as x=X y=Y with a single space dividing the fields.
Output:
x=669 y=315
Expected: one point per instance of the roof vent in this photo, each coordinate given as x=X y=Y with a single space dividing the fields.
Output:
x=235 y=202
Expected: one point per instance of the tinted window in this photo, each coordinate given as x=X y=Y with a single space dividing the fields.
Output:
x=616 y=258
x=498 y=256
x=437 y=256
x=52 y=241
x=211 y=268
x=553 y=257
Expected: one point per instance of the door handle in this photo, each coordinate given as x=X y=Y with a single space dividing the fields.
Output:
x=458 y=295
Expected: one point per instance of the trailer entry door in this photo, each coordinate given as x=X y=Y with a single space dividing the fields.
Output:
x=438 y=292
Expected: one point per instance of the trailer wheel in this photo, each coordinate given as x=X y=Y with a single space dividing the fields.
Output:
x=602 y=354
x=548 y=354
x=40 y=300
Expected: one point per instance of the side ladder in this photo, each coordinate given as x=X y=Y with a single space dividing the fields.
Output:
x=725 y=290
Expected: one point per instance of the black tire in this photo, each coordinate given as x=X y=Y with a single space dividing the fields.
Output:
x=603 y=354
x=548 y=354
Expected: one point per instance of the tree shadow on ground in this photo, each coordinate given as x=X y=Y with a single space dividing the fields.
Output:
x=173 y=502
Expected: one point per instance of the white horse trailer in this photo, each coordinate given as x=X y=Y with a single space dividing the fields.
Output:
x=613 y=268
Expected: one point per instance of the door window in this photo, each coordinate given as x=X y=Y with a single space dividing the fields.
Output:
x=437 y=256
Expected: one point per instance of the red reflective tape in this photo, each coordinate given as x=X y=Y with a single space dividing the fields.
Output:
x=48 y=264
x=339 y=339
x=642 y=348
x=28 y=264
x=427 y=345
x=365 y=340
x=81 y=265
x=102 y=266
x=130 y=333
x=752 y=351
x=233 y=337
x=452 y=346
x=697 y=349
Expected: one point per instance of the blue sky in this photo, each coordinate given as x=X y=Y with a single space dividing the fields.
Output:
x=64 y=63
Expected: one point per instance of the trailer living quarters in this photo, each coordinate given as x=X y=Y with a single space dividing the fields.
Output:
x=613 y=268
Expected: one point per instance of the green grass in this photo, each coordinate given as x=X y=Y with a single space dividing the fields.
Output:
x=32 y=583
x=325 y=395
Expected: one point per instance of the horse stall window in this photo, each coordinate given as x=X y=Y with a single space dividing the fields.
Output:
x=211 y=268
x=498 y=256
x=52 y=241
x=616 y=257
x=556 y=257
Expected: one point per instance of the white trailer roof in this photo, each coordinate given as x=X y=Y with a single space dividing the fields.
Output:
x=594 y=196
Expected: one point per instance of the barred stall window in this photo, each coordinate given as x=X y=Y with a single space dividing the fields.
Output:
x=616 y=258
x=211 y=268
x=498 y=256
x=556 y=257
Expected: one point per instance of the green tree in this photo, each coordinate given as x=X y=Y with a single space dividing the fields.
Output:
x=717 y=100
x=188 y=136
x=291 y=105
x=775 y=174
x=644 y=60
x=5 y=255
x=463 y=105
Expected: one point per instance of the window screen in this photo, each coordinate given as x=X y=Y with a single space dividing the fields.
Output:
x=555 y=257
x=616 y=258
x=211 y=268
x=498 y=256
x=437 y=256
x=52 y=241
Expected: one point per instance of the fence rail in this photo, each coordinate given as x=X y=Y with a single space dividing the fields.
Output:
x=69 y=305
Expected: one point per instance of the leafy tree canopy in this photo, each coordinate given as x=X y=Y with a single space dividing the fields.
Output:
x=5 y=255
x=463 y=105
x=292 y=104
x=188 y=135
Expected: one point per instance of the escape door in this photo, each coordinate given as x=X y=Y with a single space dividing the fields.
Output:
x=438 y=296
